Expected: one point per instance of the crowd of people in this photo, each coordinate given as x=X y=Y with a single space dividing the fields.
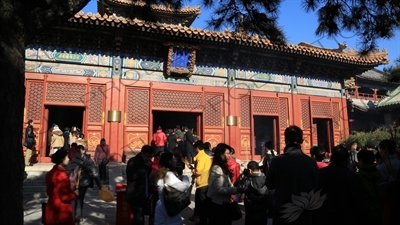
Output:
x=180 y=138
x=73 y=174
x=291 y=188
x=56 y=139
x=346 y=186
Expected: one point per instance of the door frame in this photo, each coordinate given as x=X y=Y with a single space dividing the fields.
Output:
x=275 y=133
x=329 y=132
x=45 y=124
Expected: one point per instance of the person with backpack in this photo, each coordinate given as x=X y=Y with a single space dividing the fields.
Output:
x=269 y=154
x=256 y=194
x=84 y=172
x=167 y=177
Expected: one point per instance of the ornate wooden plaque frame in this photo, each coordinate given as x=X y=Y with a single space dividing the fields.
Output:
x=186 y=71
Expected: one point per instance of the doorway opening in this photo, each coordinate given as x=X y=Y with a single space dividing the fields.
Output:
x=265 y=129
x=324 y=132
x=169 y=120
x=64 y=116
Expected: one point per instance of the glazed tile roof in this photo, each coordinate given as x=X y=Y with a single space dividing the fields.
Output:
x=160 y=8
x=350 y=57
x=374 y=75
x=362 y=104
x=392 y=100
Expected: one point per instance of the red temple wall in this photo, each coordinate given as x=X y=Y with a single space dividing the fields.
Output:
x=136 y=102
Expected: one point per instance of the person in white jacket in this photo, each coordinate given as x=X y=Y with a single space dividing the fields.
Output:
x=167 y=173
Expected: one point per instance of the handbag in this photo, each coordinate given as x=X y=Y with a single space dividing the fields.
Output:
x=176 y=201
x=234 y=211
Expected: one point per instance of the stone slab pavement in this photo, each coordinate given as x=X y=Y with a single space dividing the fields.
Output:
x=98 y=212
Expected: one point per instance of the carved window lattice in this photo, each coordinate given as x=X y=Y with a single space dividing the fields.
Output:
x=265 y=105
x=336 y=115
x=66 y=93
x=213 y=110
x=35 y=100
x=138 y=107
x=283 y=113
x=96 y=104
x=305 y=115
x=321 y=109
x=245 y=111
x=177 y=100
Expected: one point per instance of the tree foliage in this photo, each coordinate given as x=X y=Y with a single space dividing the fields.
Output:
x=373 y=138
x=370 y=20
x=20 y=21
x=393 y=72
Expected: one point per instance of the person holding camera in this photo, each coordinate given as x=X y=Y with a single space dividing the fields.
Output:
x=255 y=195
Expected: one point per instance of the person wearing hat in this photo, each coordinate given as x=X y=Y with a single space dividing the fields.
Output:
x=57 y=140
x=58 y=187
x=29 y=142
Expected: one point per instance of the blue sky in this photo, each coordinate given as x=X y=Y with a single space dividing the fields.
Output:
x=299 y=26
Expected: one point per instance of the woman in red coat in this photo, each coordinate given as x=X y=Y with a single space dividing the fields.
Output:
x=58 y=187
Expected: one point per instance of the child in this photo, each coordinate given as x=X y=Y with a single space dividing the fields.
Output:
x=256 y=194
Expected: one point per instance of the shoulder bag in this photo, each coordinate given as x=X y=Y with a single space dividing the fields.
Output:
x=174 y=200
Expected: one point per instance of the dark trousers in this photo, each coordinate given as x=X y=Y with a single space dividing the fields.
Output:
x=253 y=218
x=181 y=147
x=190 y=156
x=138 y=214
x=159 y=149
x=201 y=204
x=79 y=202
x=307 y=217
x=102 y=171
x=219 y=214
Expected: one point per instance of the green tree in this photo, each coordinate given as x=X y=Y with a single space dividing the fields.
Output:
x=370 y=20
x=20 y=21
x=394 y=72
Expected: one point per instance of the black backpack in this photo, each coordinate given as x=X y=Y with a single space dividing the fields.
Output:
x=176 y=201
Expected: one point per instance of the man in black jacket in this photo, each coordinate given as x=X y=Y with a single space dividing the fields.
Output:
x=189 y=142
x=29 y=143
x=291 y=174
x=137 y=173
